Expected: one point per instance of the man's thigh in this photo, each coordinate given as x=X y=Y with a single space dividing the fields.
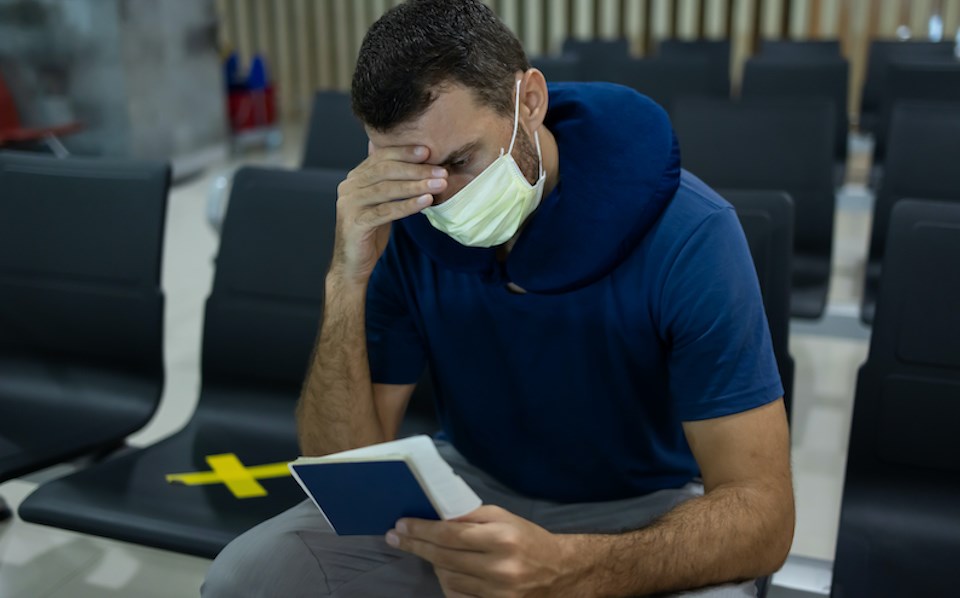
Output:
x=296 y=554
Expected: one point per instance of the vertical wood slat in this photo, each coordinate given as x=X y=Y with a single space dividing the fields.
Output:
x=857 y=50
x=340 y=33
x=716 y=19
x=582 y=19
x=661 y=20
x=636 y=25
x=284 y=58
x=800 y=11
x=305 y=54
x=951 y=18
x=830 y=18
x=533 y=27
x=744 y=16
x=920 y=11
x=688 y=19
x=889 y=17
x=510 y=14
x=771 y=18
x=557 y=28
x=609 y=25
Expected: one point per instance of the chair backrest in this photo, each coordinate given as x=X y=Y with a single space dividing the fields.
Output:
x=927 y=81
x=717 y=51
x=666 y=80
x=882 y=53
x=559 y=68
x=824 y=79
x=264 y=310
x=799 y=50
x=597 y=52
x=767 y=221
x=80 y=250
x=900 y=518
x=335 y=138
x=769 y=145
x=922 y=162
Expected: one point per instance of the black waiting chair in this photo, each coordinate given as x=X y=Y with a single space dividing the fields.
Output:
x=767 y=221
x=81 y=307
x=666 y=80
x=597 y=52
x=559 y=68
x=823 y=79
x=335 y=137
x=926 y=81
x=716 y=52
x=772 y=145
x=922 y=162
x=260 y=324
x=803 y=51
x=899 y=531
x=882 y=53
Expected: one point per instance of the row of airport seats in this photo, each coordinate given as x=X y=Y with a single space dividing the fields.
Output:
x=782 y=144
x=81 y=344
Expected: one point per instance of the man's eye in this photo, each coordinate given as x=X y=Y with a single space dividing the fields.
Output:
x=460 y=163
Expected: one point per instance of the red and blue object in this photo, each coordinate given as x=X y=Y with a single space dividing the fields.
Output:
x=251 y=100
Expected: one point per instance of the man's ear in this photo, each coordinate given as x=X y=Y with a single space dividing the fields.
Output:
x=533 y=99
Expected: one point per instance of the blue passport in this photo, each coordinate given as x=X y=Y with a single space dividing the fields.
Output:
x=365 y=491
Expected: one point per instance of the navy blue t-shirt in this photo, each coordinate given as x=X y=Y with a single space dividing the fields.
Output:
x=579 y=395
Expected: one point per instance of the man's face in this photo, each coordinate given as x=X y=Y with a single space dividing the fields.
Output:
x=464 y=137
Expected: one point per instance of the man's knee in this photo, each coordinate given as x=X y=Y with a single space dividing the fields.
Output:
x=260 y=563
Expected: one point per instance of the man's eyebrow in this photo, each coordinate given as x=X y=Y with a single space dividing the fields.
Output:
x=454 y=155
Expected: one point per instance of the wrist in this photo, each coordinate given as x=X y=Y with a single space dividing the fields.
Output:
x=340 y=283
x=578 y=559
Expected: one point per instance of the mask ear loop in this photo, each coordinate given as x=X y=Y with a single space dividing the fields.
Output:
x=516 y=129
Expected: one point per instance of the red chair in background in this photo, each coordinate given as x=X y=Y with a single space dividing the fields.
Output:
x=12 y=131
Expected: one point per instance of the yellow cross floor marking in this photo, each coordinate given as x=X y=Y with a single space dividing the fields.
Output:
x=228 y=469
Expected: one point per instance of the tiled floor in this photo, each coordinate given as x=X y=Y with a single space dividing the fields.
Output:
x=38 y=562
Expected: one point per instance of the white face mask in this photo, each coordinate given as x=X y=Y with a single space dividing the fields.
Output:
x=491 y=208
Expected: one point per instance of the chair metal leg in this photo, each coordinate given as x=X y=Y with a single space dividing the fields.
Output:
x=56 y=146
x=5 y=512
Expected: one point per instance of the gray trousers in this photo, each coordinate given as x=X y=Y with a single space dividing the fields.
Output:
x=297 y=554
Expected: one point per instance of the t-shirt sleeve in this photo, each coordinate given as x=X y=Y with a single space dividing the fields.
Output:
x=721 y=358
x=394 y=347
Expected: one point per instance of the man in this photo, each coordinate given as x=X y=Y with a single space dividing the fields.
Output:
x=592 y=321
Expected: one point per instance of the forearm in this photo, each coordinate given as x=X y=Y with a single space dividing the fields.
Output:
x=732 y=533
x=336 y=410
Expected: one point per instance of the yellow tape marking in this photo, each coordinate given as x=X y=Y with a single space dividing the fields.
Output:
x=229 y=470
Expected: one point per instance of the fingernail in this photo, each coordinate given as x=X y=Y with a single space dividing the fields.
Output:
x=402 y=526
x=420 y=151
x=439 y=172
x=436 y=183
x=425 y=200
x=393 y=539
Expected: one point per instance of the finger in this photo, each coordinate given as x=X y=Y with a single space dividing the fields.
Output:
x=461 y=561
x=393 y=170
x=451 y=534
x=383 y=213
x=413 y=154
x=387 y=191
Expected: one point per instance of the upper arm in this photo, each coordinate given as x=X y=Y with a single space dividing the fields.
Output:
x=712 y=319
x=391 y=402
x=747 y=448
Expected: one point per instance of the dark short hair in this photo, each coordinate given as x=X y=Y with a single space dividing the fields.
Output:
x=419 y=46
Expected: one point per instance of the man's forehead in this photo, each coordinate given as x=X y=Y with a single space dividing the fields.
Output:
x=454 y=118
